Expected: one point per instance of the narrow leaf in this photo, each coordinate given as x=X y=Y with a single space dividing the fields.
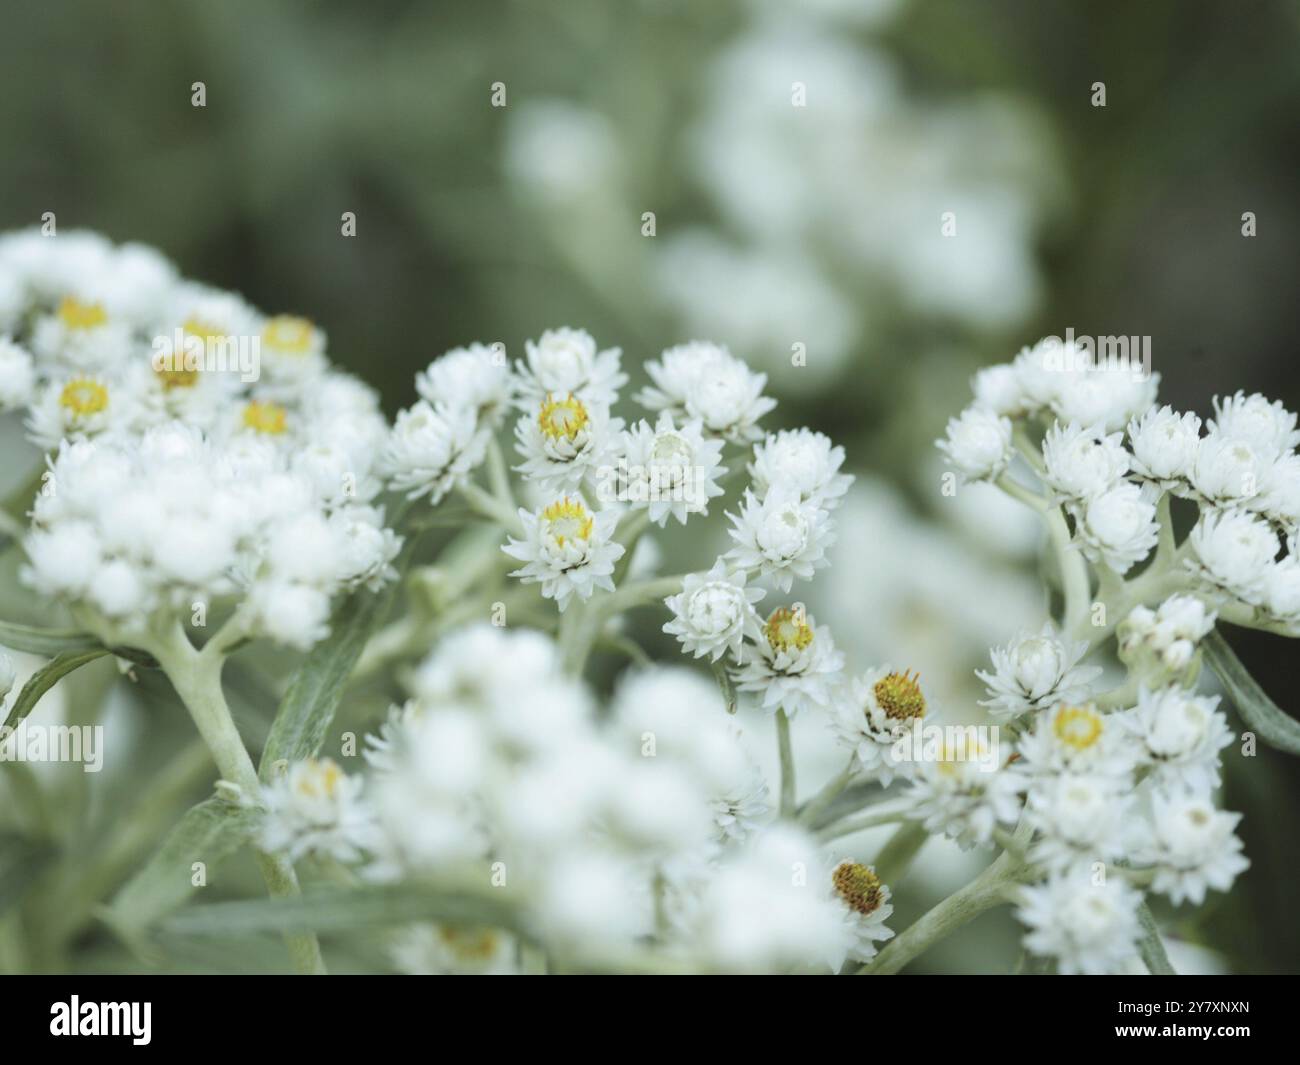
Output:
x=208 y=832
x=45 y=678
x=1150 y=945
x=49 y=642
x=337 y=910
x=316 y=690
x=22 y=861
x=1257 y=710
x=725 y=685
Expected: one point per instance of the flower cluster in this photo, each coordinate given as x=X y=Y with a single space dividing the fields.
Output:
x=200 y=453
x=1114 y=790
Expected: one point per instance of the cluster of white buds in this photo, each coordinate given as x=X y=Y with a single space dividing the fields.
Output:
x=202 y=456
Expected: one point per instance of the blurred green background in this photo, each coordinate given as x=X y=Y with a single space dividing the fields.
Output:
x=774 y=225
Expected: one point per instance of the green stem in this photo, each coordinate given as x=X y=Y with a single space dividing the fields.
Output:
x=882 y=813
x=815 y=806
x=786 y=753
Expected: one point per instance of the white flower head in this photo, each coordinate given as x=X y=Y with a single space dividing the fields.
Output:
x=1000 y=390
x=17 y=375
x=1160 y=644
x=1105 y=396
x=1118 y=527
x=705 y=381
x=869 y=714
x=1164 y=445
x=1078 y=739
x=1194 y=847
x=978 y=443
x=1080 y=819
x=714 y=612
x=670 y=470
x=566 y=362
x=780 y=537
x=475 y=378
x=1083 y=462
x=564 y=442
x=800 y=460
x=955 y=792
x=1282 y=590
x=1268 y=427
x=315 y=808
x=1228 y=471
x=1233 y=551
x=794 y=664
x=865 y=898
x=430 y=450
x=81 y=335
x=1178 y=736
x=1089 y=928
x=1033 y=672
x=567 y=548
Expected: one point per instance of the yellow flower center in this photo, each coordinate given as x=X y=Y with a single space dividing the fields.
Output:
x=288 y=334
x=899 y=696
x=1077 y=726
x=568 y=519
x=177 y=374
x=858 y=886
x=788 y=629
x=83 y=396
x=322 y=779
x=471 y=944
x=264 y=418
x=205 y=331
x=562 y=418
x=78 y=315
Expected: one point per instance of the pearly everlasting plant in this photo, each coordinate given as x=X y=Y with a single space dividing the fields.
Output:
x=539 y=792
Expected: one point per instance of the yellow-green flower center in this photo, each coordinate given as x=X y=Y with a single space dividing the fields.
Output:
x=1077 y=726
x=269 y=418
x=83 y=396
x=289 y=334
x=899 y=696
x=568 y=519
x=787 y=629
x=78 y=315
x=562 y=418
x=322 y=779
x=858 y=886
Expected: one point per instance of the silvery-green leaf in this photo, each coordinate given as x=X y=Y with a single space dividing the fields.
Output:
x=1257 y=710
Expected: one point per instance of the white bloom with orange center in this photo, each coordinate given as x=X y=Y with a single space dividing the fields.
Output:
x=865 y=900
x=316 y=809
x=81 y=335
x=77 y=407
x=792 y=664
x=567 y=548
x=1075 y=738
x=870 y=712
x=292 y=348
x=565 y=442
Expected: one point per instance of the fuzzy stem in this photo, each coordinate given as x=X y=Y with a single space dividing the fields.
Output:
x=787 y=763
x=882 y=813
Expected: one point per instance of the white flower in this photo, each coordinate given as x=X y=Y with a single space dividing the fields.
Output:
x=1046 y=369
x=1080 y=819
x=294 y=349
x=796 y=664
x=1282 y=590
x=1164 y=444
x=1268 y=427
x=865 y=899
x=589 y=898
x=17 y=375
x=290 y=612
x=1107 y=397
x=959 y=789
x=81 y=336
x=1179 y=737
x=437 y=950
x=999 y=389
x=1227 y=471
x=871 y=712
x=714 y=612
x=1090 y=928
x=1160 y=644
x=567 y=549
x=476 y=378
x=565 y=362
x=1118 y=528
x=63 y=560
x=563 y=442
x=315 y=808
x=1234 y=552
x=800 y=460
x=1194 y=847
x=1083 y=463
x=781 y=537
x=77 y=407
x=1077 y=739
x=429 y=451
x=1036 y=671
x=705 y=381
x=978 y=444
x=670 y=470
